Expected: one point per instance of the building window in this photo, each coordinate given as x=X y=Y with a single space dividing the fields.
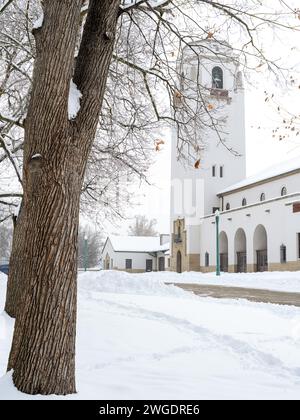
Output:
x=298 y=245
x=244 y=202
x=283 y=191
x=128 y=264
x=217 y=78
x=228 y=206
x=169 y=262
x=221 y=171
x=178 y=238
x=214 y=171
x=215 y=209
x=283 y=259
x=263 y=197
x=111 y=264
x=206 y=259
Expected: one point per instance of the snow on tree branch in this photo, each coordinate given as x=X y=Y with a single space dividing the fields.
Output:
x=131 y=4
x=4 y=5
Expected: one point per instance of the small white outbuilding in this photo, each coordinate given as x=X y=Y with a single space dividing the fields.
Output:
x=136 y=254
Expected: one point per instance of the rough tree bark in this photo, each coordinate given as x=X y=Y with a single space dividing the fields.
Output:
x=14 y=284
x=55 y=156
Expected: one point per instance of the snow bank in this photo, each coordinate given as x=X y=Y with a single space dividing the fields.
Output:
x=6 y=330
x=124 y=283
x=3 y=277
x=3 y=280
x=7 y=387
x=277 y=281
x=74 y=101
x=139 y=340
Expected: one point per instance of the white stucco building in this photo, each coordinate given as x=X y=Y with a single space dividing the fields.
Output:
x=136 y=254
x=260 y=215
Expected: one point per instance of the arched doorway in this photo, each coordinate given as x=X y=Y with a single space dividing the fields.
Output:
x=179 y=262
x=224 y=252
x=260 y=246
x=161 y=264
x=240 y=249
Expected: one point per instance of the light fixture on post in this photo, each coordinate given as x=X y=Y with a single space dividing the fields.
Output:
x=217 y=217
x=85 y=252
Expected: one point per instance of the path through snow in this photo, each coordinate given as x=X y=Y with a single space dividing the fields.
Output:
x=144 y=340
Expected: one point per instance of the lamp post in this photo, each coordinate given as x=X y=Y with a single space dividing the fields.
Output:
x=85 y=252
x=217 y=216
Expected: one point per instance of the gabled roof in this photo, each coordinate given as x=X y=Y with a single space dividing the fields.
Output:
x=276 y=171
x=147 y=244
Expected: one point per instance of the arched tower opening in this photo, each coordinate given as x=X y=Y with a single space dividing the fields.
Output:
x=217 y=78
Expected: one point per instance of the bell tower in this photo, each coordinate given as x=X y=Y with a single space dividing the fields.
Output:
x=211 y=68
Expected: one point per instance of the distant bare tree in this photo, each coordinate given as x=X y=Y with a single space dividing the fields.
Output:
x=89 y=247
x=143 y=227
x=6 y=234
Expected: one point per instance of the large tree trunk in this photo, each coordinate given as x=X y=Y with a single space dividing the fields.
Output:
x=55 y=156
x=43 y=353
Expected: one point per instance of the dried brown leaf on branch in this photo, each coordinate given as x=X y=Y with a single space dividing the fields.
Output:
x=197 y=164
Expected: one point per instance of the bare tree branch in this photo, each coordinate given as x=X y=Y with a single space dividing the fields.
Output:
x=5 y=6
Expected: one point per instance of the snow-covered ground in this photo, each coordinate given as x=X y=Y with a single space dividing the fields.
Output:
x=140 y=339
x=280 y=281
